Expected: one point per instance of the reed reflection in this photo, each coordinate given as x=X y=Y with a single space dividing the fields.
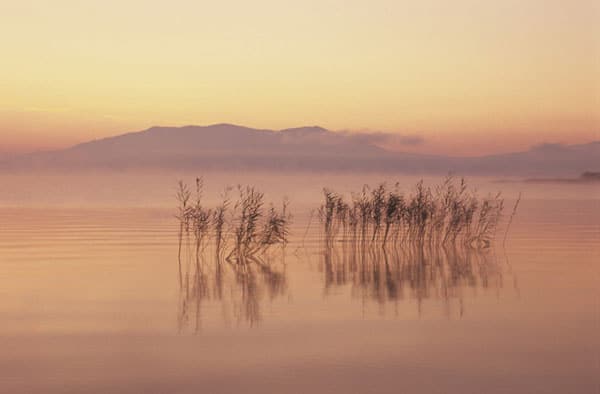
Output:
x=390 y=274
x=238 y=289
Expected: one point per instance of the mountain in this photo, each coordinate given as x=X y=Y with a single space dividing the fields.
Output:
x=231 y=147
x=544 y=159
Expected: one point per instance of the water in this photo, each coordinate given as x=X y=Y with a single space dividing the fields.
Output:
x=91 y=301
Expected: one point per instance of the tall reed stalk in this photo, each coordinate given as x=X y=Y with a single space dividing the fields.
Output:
x=183 y=197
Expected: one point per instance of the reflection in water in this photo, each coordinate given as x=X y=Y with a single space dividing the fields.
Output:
x=417 y=272
x=384 y=275
x=239 y=288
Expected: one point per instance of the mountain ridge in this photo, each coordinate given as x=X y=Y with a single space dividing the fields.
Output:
x=225 y=146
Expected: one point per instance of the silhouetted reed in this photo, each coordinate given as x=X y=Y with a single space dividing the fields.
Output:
x=450 y=213
x=250 y=212
x=510 y=219
x=275 y=229
x=183 y=197
x=219 y=223
x=200 y=218
x=239 y=234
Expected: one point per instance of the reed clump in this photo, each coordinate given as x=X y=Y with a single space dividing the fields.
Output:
x=449 y=213
x=229 y=247
x=237 y=232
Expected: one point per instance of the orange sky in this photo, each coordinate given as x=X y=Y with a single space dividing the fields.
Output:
x=469 y=76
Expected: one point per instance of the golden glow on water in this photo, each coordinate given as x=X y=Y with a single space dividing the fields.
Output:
x=90 y=301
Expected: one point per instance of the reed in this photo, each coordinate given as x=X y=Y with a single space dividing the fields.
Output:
x=244 y=231
x=510 y=219
x=183 y=196
x=394 y=208
x=330 y=213
x=377 y=209
x=449 y=213
x=200 y=217
x=219 y=223
x=250 y=207
x=238 y=233
x=275 y=229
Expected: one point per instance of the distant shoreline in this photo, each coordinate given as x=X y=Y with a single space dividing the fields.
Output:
x=586 y=177
x=560 y=180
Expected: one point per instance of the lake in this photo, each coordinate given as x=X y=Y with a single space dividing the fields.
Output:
x=91 y=299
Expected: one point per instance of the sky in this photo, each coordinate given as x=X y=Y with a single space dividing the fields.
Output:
x=467 y=77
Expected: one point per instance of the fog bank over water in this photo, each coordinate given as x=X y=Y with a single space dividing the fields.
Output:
x=151 y=189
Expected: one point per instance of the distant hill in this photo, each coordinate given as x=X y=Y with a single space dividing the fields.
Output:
x=230 y=147
x=541 y=160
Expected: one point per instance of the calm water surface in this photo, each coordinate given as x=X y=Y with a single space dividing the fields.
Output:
x=90 y=301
